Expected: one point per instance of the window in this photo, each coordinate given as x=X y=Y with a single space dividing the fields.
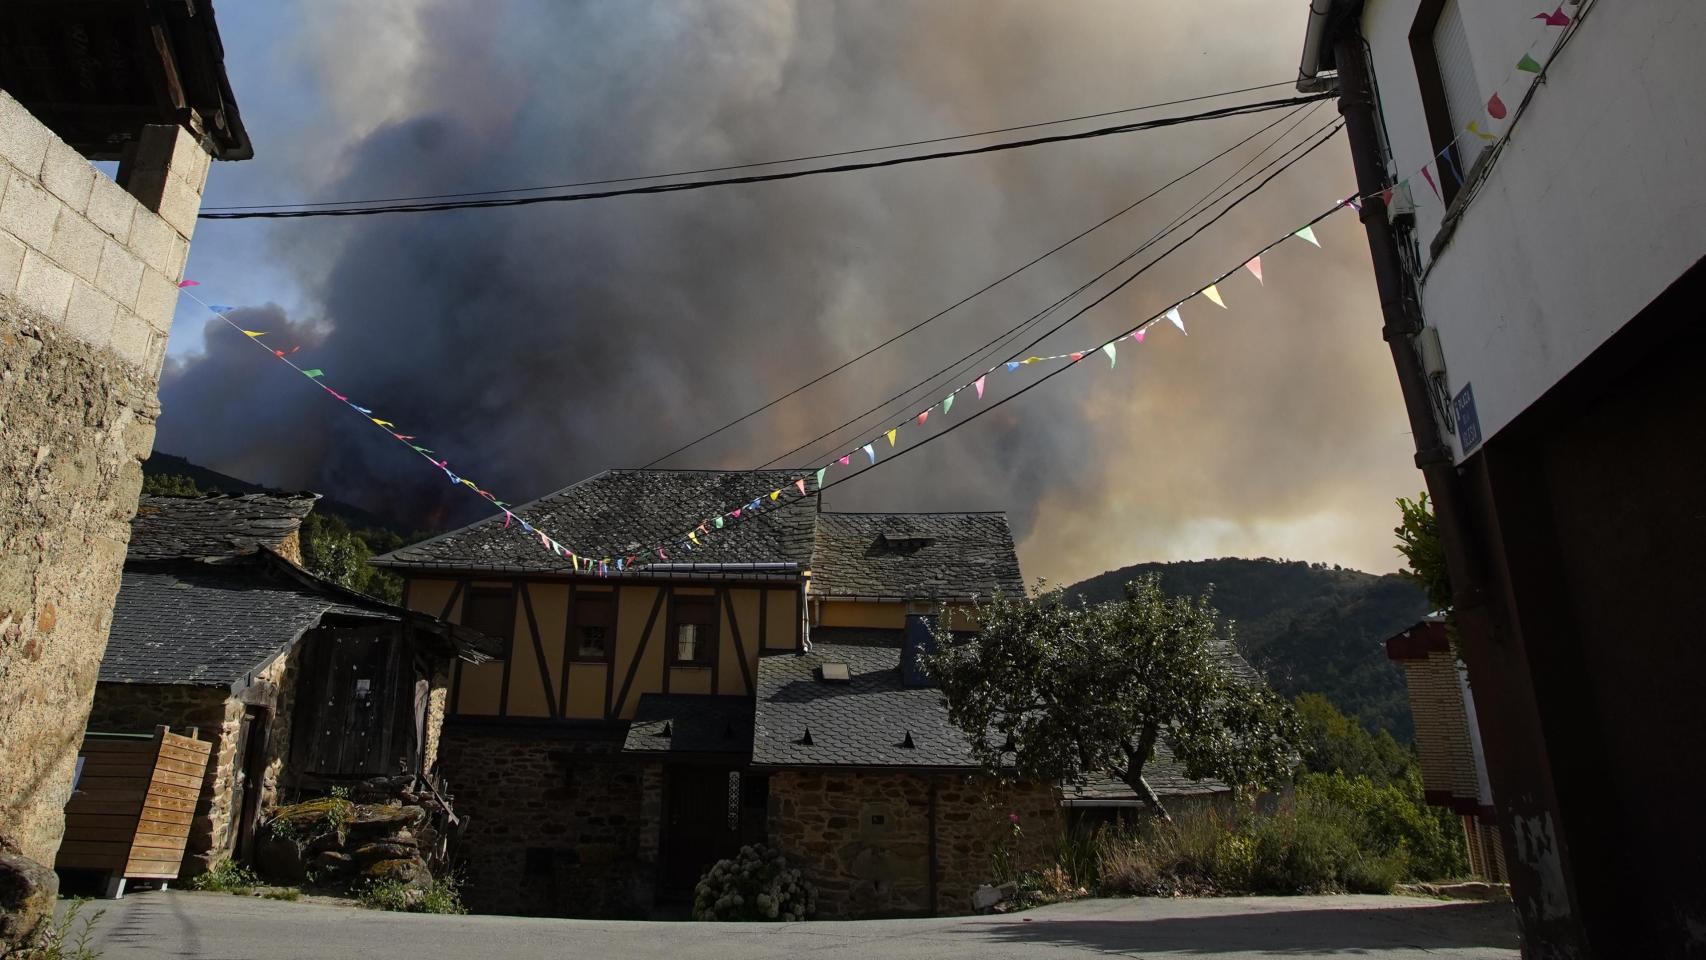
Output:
x=593 y=625
x=694 y=630
x=492 y=612
x=1451 y=94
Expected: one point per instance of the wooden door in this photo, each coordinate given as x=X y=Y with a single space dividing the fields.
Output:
x=701 y=825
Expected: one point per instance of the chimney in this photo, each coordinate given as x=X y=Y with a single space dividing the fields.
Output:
x=919 y=640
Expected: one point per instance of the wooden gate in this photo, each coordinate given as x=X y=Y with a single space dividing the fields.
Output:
x=701 y=825
x=130 y=812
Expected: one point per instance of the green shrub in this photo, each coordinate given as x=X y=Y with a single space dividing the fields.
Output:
x=1394 y=819
x=757 y=884
x=56 y=940
x=439 y=895
x=227 y=877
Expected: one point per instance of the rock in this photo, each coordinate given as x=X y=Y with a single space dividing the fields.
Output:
x=27 y=892
x=332 y=863
x=411 y=872
x=279 y=859
x=386 y=850
x=370 y=820
x=1008 y=890
x=985 y=897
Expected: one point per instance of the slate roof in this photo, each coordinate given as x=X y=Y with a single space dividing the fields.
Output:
x=619 y=512
x=211 y=624
x=914 y=555
x=217 y=526
x=696 y=724
x=1164 y=774
x=860 y=723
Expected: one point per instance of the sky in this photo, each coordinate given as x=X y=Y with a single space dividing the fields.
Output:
x=538 y=345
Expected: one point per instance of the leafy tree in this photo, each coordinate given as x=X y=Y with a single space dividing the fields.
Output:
x=1418 y=541
x=1331 y=742
x=171 y=485
x=330 y=550
x=1049 y=690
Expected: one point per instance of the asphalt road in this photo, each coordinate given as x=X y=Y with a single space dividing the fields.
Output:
x=211 y=926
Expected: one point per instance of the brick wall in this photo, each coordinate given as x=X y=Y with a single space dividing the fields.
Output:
x=88 y=284
x=1442 y=725
x=863 y=839
x=556 y=828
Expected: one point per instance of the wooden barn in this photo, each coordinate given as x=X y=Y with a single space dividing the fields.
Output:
x=296 y=684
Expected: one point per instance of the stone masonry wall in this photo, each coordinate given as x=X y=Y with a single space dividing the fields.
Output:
x=88 y=285
x=555 y=826
x=863 y=839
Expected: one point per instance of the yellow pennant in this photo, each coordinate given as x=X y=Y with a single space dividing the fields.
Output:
x=774 y=494
x=254 y=333
x=1213 y=293
x=1475 y=128
x=693 y=536
x=891 y=437
x=383 y=423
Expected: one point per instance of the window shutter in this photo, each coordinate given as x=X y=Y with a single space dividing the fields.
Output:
x=1456 y=70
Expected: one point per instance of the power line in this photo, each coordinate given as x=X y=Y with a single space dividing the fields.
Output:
x=759 y=163
x=965 y=300
x=1047 y=311
x=353 y=211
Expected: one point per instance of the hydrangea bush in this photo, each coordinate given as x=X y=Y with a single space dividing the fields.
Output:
x=757 y=884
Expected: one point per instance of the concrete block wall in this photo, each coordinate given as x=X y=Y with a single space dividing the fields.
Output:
x=88 y=284
x=85 y=253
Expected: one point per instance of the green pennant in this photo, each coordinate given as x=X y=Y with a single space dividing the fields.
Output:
x=947 y=404
x=1528 y=63
x=820 y=474
x=316 y=372
x=719 y=523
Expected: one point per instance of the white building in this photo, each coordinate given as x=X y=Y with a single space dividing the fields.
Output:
x=1536 y=211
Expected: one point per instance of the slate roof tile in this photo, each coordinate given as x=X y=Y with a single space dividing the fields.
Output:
x=914 y=555
x=697 y=723
x=215 y=526
x=619 y=512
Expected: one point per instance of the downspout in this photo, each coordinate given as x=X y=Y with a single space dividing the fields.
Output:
x=1403 y=321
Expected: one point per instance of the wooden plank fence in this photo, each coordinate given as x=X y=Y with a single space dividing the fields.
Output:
x=130 y=813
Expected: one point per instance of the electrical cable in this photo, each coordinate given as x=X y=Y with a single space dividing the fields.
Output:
x=351 y=211
x=1047 y=311
x=969 y=297
x=758 y=163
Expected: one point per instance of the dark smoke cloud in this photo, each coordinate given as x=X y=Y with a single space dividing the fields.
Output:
x=538 y=345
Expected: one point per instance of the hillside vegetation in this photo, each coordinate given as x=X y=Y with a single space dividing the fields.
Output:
x=1311 y=628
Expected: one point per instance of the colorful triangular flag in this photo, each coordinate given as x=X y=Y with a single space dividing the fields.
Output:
x=978 y=383
x=1475 y=128
x=1178 y=321
x=188 y=283
x=1496 y=107
x=1430 y=179
x=775 y=495
x=801 y=484
x=1308 y=233
x=844 y=461
x=820 y=474
x=1255 y=267
x=220 y=307
x=256 y=333
x=1556 y=18
x=1113 y=355
x=947 y=404
x=1528 y=64
x=718 y=521
x=870 y=452
x=316 y=372
x=1137 y=335
x=1076 y=355
x=1012 y=365
x=892 y=432
x=1213 y=293
x=923 y=417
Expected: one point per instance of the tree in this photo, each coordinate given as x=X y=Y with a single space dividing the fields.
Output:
x=1330 y=742
x=171 y=485
x=1418 y=541
x=332 y=552
x=1049 y=690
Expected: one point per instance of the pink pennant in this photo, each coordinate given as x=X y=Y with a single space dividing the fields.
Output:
x=507 y=518
x=844 y=460
x=278 y=353
x=1255 y=268
x=801 y=483
x=979 y=385
x=337 y=394
x=1077 y=355
x=662 y=555
x=1496 y=108
x=188 y=283
x=1556 y=18
x=735 y=513
x=1138 y=336
x=923 y=417
x=1430 y=179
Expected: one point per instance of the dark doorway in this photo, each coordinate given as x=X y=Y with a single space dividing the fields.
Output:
x=248 y=779
x=703 y=811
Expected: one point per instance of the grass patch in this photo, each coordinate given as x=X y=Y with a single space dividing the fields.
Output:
x=65 y=938
x=440 y=895
x=288 y=894
x=227 y=877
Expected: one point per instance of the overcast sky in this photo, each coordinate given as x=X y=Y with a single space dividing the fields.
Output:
x=537 y=345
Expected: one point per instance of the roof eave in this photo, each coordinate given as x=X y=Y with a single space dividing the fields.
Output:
x=1315 y=72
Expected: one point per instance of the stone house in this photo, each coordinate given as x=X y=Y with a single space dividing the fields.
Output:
x=1454 y=765
x=89 y=273
x=298 y=683
x=649 y=722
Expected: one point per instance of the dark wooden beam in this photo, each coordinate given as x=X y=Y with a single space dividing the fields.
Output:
x=539 y=652
x=634 y=664
x=740 y=648
x=610 y=650
x=568 y=658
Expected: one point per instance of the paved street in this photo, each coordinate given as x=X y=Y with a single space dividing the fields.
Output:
x=182 y=925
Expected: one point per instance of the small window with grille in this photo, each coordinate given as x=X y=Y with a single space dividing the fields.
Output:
x=694 y=630
x=594 y=620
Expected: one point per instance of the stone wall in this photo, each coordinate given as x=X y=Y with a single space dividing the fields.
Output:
x=864 y=839
x=88 y=285
x=556 y=827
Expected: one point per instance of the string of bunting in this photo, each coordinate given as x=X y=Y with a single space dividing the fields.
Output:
x=798 y=487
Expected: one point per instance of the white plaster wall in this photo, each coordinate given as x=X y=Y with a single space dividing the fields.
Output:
x=1595 y=206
